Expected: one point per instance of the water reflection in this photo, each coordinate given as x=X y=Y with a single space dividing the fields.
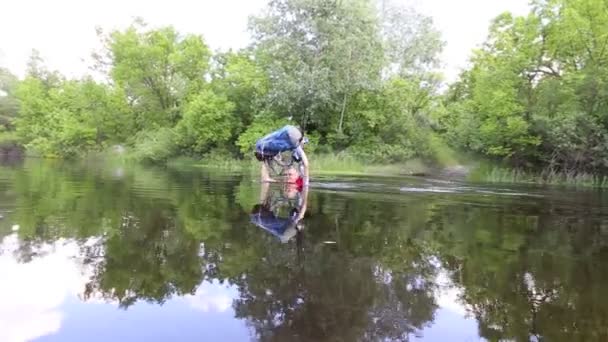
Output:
x=32 y=293
x=157 y=249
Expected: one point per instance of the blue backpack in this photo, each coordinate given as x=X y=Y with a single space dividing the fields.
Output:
x=276 y=142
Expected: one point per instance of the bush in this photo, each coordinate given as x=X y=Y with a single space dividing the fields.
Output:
x=207 y=123
x=381 y=152
x=154 y=146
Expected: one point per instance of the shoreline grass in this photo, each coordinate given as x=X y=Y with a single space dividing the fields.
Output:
x=323 y=164
x=348 y=165
x=497 y=174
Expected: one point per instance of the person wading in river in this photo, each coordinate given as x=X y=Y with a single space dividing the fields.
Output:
x=287 y=138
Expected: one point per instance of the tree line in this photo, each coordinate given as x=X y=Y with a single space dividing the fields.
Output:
x=360 y=77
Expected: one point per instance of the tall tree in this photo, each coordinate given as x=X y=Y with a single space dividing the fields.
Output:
x=8 y=102
x=317 y=55
x=412 y=43
x=159 y=69
x=537 y=92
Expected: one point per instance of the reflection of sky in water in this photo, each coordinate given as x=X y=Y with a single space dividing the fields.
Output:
x=206 y=316
x=41 y=300
x=449 y=325
x=451 y=320
x=32 y=293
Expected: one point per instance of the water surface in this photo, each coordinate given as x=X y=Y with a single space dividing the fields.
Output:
x=94 y=252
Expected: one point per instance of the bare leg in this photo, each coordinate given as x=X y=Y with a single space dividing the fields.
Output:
x=266 y=174
x=264 y=193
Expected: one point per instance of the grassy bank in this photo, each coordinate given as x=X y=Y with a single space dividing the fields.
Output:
x=320 y=165
x=214 y=162
x=481 y=171
x=344 y=164
x=497 y=174
x=341 y=163
x=348 y=165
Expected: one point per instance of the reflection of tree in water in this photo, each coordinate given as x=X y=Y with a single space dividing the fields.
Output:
x=534 y=276
x=525 y=271
x=334 y=297
x=344 y=292
x=143 y=248
x=156 y=251
x=148 y=247
x=148 y=258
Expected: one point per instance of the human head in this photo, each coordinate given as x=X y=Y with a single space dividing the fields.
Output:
x=258 y=156
x=262 y=156
x=303 y=139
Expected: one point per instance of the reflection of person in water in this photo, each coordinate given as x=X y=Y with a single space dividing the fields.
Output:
x=269 y=215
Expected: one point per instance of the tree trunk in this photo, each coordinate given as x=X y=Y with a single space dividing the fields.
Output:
x=342 y=114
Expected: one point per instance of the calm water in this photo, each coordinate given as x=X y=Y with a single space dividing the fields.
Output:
x=104 y=253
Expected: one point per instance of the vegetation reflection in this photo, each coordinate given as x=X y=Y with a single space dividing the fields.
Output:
x=523 y=269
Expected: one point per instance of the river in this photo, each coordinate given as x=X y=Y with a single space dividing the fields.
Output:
x=97 y=252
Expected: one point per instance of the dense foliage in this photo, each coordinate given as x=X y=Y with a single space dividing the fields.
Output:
x=358 y=76
x=537 y=92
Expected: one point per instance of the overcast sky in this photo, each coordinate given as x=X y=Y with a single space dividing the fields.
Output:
x=64 y=30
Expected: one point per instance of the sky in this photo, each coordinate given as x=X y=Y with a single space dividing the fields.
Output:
x=64 y=30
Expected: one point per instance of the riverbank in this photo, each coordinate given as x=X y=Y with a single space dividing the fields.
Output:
x=321 y=165
x=497 y=174
x=451 y=166
x=475 y=172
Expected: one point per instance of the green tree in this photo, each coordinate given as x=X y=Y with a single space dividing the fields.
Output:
x=242 y=80
x=208 y=122
x=317 y=55
x=8 y=102
x=71 y=117
x=494 y=116
x=158 y=69
x=412 y=44
x=536 y=92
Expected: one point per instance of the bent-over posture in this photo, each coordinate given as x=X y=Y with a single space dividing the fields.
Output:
x=287 y=138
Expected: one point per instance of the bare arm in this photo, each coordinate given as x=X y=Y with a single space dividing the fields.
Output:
x=306 y=165
x=304 y=203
